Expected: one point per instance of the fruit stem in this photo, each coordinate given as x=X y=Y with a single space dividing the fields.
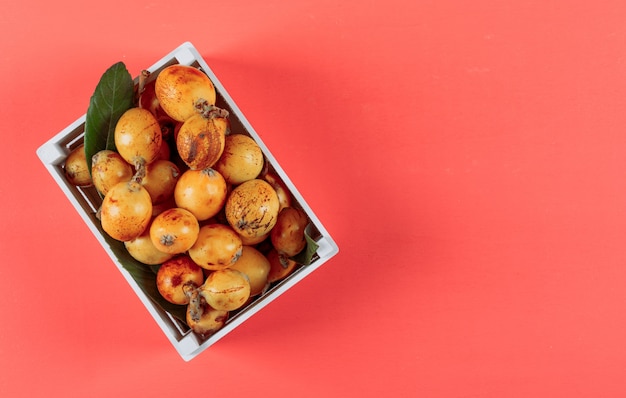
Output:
x=140 y=167
x=195 y=304
x=141 y=86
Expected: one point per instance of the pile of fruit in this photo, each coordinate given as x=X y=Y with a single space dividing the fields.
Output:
x=192 y=199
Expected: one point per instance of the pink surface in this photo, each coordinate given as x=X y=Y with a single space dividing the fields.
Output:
x=469 y=158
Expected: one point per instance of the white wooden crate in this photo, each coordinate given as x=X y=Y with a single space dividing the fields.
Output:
x=86 y=201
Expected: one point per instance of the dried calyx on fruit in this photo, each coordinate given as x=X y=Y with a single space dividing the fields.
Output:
x=208 y=111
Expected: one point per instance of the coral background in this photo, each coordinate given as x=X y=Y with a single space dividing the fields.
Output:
x=468 y=157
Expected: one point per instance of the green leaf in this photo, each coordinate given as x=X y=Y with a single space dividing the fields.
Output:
x=306 y=255
x=145 y=276
x=113 y=96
